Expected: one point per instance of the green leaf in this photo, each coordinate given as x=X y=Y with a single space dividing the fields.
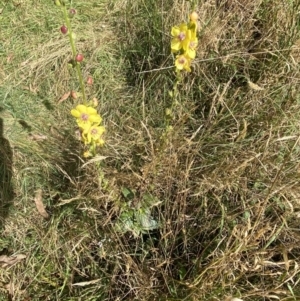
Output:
x=145 y=220
x=150 y=201
x=127 y=193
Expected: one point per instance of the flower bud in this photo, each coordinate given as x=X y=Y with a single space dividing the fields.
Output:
x=79 y=58
x=168 y=112
x=72 y=63
x=194 y=16
x=87 y=154
x=90 y=80
x=72 y=12
x=64 y=29
x=95 y=102
x=169 y=128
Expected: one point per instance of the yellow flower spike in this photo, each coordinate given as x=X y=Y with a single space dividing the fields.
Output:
x=179 y=34
x=183 y=62
x=86 y=116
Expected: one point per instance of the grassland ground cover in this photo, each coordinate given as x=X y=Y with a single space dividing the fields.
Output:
x=207 y=211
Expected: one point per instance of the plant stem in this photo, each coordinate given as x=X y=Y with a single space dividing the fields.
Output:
x=74 y=52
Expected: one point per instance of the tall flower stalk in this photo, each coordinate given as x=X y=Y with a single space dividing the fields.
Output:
x=183 y=44
x=87 y=118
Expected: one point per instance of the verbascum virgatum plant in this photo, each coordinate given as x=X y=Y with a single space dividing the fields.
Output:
x=184 y=43
x=87 y=118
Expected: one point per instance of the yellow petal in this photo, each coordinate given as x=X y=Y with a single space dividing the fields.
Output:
x=178 y=65
x=95 y=119
x=75 y=113
x=85 y=126
x=192 y=33
x=175 y=45
x=191 y=53
x=193 y=26
x=185 y=44
x=101 y=130
x=100 y=142
x=81 y=108
x=91 y=111
x=183 y=27
x=187 y=68
x=175 y=31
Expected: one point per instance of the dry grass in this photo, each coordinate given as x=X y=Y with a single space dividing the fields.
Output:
x=226 y=181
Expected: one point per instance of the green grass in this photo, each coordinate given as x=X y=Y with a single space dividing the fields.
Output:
x=225 y=183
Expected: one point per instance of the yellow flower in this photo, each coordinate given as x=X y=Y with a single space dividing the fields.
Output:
x=183 y=62
x=179 y=34
x=190 y=44
x=93 y=133
x=86 y=116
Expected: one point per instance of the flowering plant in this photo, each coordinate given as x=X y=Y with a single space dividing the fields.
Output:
x=87 y=118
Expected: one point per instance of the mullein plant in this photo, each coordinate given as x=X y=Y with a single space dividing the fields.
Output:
x=183 y=44
x=87 y=118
